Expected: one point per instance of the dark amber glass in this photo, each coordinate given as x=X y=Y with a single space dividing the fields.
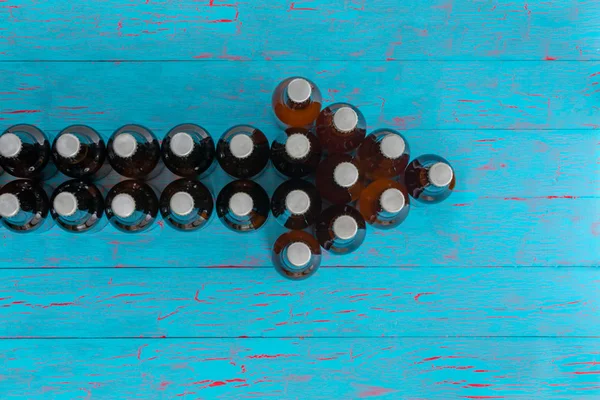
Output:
x=384 y=203
x=243 y=151
x=341 y=128
x=186 y=205
x=25 y=207
x=79 y=152
x=296 y=102
x=25 y=153
x=429 y=179
x=341 y=229
x=296 y=204
x=383 y=154
x=296 y=153
x=78 y=207
x=339 y=179
x=132 y=206
x=189 y=151
x=296 y=255
x=134 y=152
x=243 y=206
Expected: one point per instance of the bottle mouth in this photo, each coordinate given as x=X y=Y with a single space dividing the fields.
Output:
x=125 y=145
x=65 y=204
x=345 y=174
x=392 y=146
x=392 y=201
x=123 y=205
x=182 y=144
x=345 y=227
x=298 y=254
x=241 y=204
x=440 y=174
x=10 y=145
x=297 y=146
x=182 y=204
x=345 y=119
x=299 y=90
x=9 y=205
x=241 y=146
x=297 y=202
x=68 y=145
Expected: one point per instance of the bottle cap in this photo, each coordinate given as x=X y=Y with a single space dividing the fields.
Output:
x=345 y=227
x=182 y=144
x=345 y=119
x=182 y=203
x=297 y=146
x=299 y=90
x=123 y=205
x=297 y=202
x=392 y=146
x=241 y=146
x=10 y=145
x=345 y=174
x=241 y=204
x=440 y=174
x=298 y=254
x=68 y=145
x=392 y=200
x=125 y=145
x=9 y=205
x=65 y=204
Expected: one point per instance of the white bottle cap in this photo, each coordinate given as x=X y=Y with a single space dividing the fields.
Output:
x=68 y=145
x=440 y=174
x=392 y=146
x=298 y=254
x=345 y=174
x=297 y=202
x=299 y=90
x=65 y=204
x=297 y=146
x=182 y=144
x=241 y=146
x=10 y=145
x=125 y=145
x=345 y=119
x=9 y=205
x=123 y=205
x=345 y=227
x=241 y=204
x=392 y=200
x=181 y=203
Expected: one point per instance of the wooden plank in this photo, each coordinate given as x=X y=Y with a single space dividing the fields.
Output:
x=404 y=95
x=423 y=368
x=300 y=30
x=340 y=302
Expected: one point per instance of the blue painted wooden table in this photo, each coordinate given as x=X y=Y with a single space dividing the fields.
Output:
x=493 y=294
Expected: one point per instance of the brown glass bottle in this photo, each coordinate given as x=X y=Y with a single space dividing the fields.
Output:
x=25 y=207
x=341 y=229
x=339 y=179
x=78 y=207
x=341 y=128
x=243 y=151
x=25 y=153
x=186 y=205
x=429 y=179
x=134 y=152
x=296 y=153
x=383 y=154
x=296 y=102
x=384 y=203
x=189 y=151
x=79 y=152
x=132 y=206
x=296 y=255
x=243 y=206
x=296 y=204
